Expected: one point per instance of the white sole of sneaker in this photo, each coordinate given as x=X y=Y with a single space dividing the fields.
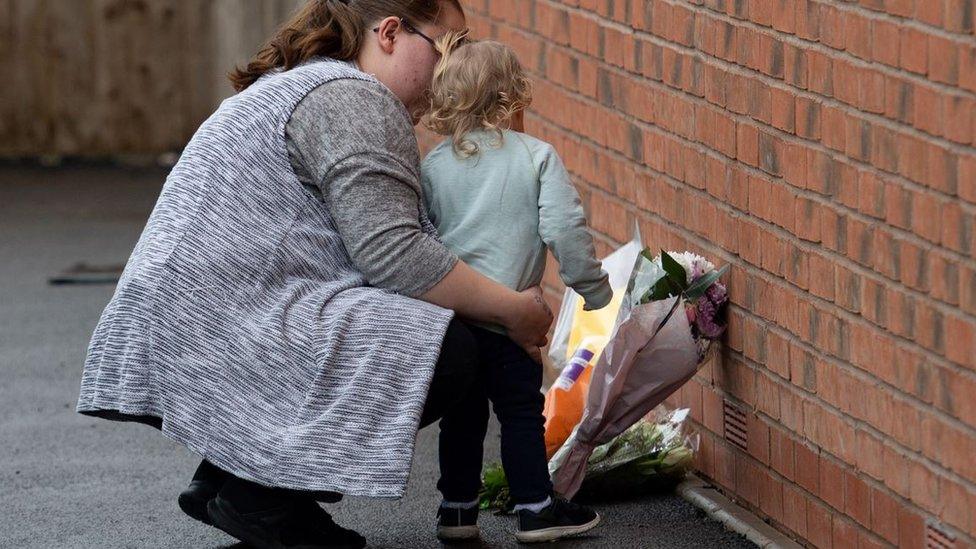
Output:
x=453 y=533
x=556 y=533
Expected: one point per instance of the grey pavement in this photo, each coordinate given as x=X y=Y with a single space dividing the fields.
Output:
x=73 y=481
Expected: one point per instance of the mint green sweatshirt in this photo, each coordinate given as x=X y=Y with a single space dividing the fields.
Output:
x=499 y=209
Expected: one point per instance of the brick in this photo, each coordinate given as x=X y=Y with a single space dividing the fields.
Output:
x=846 y=81
x=834 y=127
x=884 y=154
x=844 y=532
x=932 y=13
x=819 y=73
x=795 y=70
x=943 y=274
x=899 y=100
x=808 y=219
x=791 y=411
x=873 y=304
x=715 y=85
x=807 y=18
x=927 y=216
x=832 y=484
x=884 y=47
x=901 y=8
x=884 y=515
x=760 y=100
x=924 y=486
x=960 y=16
x=942 y=169
x=896 y=467
x=871 y=89
x=819 y=525
x=888 y=257
x=807 y=118
x=783 y=16
x=747 y=143
x=807 y=468
x=858 y=138
x=857 y=500
x=870 y=455
x=911 y=528
x=847 y=289
x=761 y=13
x=898 y=205
x=959 y=118
x=956 y=501
x=770 y=154
x=913 y=50
x=967 y=289
x=943 y=60
x=857 y=35
x=967 y=67
x=746 y=479
x=961 y=338
x=794 y=510
x=912 y=158
x=929 y=110
x=783 y=105
x=771 y=496
x=712 y=412
x=833 y=26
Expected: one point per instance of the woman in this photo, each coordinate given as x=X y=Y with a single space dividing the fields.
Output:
x=287 y=312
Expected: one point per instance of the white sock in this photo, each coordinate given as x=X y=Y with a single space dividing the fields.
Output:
x=534 y=507
x=459 y=505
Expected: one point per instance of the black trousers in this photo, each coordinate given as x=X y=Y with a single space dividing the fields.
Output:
x=455 y=374
x=511 y=380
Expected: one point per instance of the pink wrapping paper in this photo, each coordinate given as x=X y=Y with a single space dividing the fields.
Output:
x=635 y=373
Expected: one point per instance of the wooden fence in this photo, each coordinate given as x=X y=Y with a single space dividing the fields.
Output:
x=94 y=78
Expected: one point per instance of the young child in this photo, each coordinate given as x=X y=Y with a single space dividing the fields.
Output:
x=499 y=199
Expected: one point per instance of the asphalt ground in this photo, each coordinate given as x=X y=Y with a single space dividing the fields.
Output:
x=72 y=481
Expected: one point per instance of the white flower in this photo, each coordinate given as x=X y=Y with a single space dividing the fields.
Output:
x=693 y=264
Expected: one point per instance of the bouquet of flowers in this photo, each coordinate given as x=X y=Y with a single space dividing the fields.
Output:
x=690 y=276
x=651 y=353
x=649 y=455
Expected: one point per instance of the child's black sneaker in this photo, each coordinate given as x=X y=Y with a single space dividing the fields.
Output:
x=560 y=519
x=457 y=524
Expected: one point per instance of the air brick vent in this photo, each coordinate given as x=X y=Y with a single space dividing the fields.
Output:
x=735 y=425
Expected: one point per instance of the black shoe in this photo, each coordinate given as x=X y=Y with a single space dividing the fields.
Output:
x=457 y=524
x=302 y=524
x=559 y=520
x=206 y=483
x=193 y=501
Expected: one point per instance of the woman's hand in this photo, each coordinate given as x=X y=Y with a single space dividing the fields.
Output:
x=472 y=295
x=528 y=323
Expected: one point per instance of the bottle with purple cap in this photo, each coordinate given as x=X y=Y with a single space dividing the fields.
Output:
x=581 y=359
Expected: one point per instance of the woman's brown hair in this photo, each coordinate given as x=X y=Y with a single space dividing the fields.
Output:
x=330 y=28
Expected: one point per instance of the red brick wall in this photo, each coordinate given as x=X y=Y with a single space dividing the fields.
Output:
x=825 y=150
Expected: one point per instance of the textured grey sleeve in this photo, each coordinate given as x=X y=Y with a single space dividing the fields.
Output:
x=352 y=144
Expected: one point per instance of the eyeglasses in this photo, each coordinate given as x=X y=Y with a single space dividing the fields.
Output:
x=413 y=30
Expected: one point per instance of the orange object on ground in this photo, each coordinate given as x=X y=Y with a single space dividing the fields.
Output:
x=564 y=410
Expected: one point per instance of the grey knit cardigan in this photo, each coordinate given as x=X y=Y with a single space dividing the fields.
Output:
x=242 y=329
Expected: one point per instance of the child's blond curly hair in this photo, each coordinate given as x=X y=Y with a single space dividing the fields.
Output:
x=477 y=85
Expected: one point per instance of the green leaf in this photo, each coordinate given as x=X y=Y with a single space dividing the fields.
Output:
x=700 y=286
x=676 y=273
